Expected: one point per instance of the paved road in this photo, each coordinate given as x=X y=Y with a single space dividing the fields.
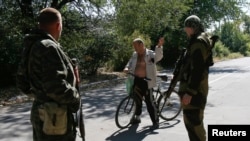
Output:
x=228 y=103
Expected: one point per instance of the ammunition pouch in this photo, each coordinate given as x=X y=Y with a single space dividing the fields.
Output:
x=54 y=118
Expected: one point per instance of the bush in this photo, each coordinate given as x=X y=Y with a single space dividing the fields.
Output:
x=247 y=51
x=10 y=50
x=235 y=55
x=220 y=50
x=98 y=53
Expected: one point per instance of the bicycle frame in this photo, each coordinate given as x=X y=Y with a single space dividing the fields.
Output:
x=130 y=109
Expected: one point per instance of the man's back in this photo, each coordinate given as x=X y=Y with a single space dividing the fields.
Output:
x=46 y=73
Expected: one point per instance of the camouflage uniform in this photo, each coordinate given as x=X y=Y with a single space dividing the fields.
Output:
x=46 y=73
x=194 y=81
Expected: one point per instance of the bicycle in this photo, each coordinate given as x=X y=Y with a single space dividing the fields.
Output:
x=168 y=105
x=168 y=102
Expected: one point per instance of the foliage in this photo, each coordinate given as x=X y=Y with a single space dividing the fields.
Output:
x=97 y=54
x=87 y=38
x=247 y=53
x=10 y=42
x=215 y=10
x=235 y=55
x=165 y=18
x=220 y=50
x=152 y=18
x=100 y=32
x=246 y=24
x=234 y=38
x=21 y=18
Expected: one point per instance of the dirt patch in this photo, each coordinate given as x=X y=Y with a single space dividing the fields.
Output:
x=11 y=95
x=102 y=76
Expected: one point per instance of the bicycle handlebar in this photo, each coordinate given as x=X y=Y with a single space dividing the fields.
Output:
x=163 y=77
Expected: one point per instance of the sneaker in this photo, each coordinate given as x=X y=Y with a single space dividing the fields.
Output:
x=135 y=120
x=154 y=126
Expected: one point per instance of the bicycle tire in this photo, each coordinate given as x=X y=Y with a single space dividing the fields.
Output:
x=172 y=106
x=125 y=111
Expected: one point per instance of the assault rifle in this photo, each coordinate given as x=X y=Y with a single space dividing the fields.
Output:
x=79 y=115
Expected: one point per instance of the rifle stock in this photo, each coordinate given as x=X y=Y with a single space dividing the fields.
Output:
x=79 y=113
x=81 y=125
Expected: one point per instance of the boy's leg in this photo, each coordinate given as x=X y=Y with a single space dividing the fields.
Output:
x=152 y=109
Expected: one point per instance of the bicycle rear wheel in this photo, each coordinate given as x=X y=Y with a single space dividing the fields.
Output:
x=170 y=106
x=125 y=111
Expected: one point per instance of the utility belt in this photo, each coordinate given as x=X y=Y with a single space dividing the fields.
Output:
x=139 y=78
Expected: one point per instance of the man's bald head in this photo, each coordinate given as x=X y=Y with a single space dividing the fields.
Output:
x=50 y=20
x=48 y=16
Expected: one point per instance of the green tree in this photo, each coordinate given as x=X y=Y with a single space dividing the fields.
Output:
x=153 y=18
x=216 y=10
x=104 y=29
x=233 y=37
x=246 y=24
x=156 y=18
x=81 y=19
x=89 y=34
x=10 y=41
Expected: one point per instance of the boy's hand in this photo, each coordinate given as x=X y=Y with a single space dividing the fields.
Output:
x=125 y=70
x=186 y=99
x=161 y=42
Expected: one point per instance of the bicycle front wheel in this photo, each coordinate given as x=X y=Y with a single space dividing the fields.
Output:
x=125 y=111
x=169 y=107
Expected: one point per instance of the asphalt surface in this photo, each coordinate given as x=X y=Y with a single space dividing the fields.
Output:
x=228 y=104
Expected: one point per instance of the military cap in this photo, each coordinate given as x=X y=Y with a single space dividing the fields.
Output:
x=194 y=22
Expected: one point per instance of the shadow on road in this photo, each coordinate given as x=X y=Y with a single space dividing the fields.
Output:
x=97 y=104
x=131 y=133
x=231 y=69
x=103 y=102
x=15 y=121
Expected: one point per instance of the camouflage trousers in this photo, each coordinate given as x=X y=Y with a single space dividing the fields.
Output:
x=193 y=120
x=39 y=135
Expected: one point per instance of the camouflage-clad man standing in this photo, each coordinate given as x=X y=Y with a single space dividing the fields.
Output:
x=194 y=81
x=47 y=74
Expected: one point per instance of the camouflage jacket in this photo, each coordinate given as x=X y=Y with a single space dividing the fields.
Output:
x=46 y=72
x=194 y=80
